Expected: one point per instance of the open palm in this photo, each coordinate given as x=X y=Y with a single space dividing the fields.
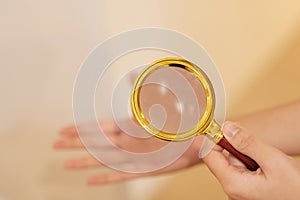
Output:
x=69 y=139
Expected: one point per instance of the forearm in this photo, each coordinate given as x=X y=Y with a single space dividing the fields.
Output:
x=278 y=126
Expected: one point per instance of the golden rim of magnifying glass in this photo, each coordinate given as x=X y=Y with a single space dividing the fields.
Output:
x=205 y=121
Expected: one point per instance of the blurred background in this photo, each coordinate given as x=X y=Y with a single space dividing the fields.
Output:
x=255 y=44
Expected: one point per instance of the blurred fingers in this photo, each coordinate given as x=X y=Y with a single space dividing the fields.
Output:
x=83 y=162
x=75 y=142
x=68 y=143
x=90 y=129
x=111 y=177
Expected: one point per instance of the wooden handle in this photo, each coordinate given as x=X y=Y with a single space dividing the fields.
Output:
x=249 y=162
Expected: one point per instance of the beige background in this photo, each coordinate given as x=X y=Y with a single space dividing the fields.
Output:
x=256 y=46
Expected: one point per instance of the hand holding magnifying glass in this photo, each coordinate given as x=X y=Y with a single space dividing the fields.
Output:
x=196 y=104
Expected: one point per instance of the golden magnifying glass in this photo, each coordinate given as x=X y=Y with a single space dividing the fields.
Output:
x=171 y=70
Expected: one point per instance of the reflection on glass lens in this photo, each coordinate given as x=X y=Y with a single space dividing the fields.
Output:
x=172 y=100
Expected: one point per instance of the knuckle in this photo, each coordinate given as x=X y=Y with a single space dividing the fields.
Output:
x=243 y=141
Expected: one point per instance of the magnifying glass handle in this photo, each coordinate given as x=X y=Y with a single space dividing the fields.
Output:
x=249 y=162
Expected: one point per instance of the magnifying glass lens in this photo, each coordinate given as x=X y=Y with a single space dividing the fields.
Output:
x=172 y=100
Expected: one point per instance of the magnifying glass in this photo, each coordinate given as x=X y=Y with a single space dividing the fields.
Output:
x=174 y=100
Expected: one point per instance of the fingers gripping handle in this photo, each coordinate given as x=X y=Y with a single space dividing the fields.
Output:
x=249 y=162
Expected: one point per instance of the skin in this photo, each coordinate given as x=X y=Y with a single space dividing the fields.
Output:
x=69 y=139
x=277 y=126
x=279 y=137
x=277 y=178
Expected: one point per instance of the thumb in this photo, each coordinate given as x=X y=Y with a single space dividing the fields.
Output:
x=249 y=145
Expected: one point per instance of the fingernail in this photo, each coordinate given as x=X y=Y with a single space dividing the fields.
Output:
x=230 y=129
